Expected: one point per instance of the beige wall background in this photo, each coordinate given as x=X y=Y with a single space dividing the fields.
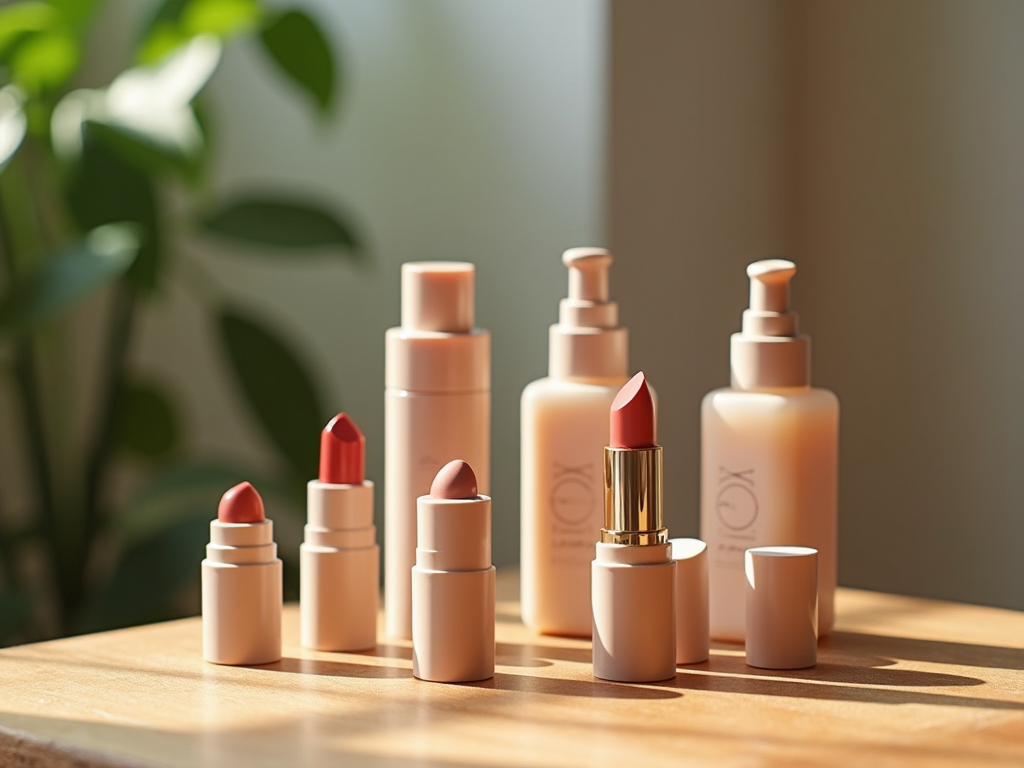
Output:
x=879 y=145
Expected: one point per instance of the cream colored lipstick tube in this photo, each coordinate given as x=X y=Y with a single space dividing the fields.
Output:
x=242 y=579
x=437 y=407
x=453 y=591
x=340 y=568
x=634 y=618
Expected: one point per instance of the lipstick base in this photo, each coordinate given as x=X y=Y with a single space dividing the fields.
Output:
x=242 y=612
x=338 y=597
x=633 y=597
x=452 y=625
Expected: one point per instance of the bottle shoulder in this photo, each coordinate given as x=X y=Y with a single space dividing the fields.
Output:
x=804 y=398
x=550 y=386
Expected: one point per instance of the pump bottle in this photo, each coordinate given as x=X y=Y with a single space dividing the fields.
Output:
x=564 y=428
x=769 y=454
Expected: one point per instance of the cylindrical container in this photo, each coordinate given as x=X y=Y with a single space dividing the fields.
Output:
x=340 y=566
x=242 y=578
x=339 y=558
x=692 y=638
x=769 y=454
x=633 y=575
x=453 y=585
x=437 y=407
x=564 y=426
x=781 y=607
x=634 y=624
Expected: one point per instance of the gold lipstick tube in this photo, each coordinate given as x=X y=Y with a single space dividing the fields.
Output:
x=633 y=497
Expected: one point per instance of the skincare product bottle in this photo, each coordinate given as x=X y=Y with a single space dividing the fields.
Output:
x=769 y=454
x=564 y=424
x=437 y=407
x=634 y=575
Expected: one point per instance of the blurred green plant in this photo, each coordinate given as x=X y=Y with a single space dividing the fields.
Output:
x=84 y=175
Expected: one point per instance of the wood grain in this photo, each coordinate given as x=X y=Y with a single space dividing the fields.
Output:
x=903 y=681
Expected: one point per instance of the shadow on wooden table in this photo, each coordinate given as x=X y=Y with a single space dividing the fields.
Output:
x=590 y=689
x=302 y=666
x=872 y=671
x=935 y=651
x=754 y=684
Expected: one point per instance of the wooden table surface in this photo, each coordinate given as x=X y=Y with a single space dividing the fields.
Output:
x=903 y=681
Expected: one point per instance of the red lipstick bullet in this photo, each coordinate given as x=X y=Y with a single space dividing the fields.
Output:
x=342 y=452
x=241 y=504
x=632 y=415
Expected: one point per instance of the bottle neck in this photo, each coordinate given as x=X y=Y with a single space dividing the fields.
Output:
x=587 y=353
x=770 y=362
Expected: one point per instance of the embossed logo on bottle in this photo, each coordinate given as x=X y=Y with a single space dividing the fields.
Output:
x=572 y=502
x=736 y=504
x=736 y=507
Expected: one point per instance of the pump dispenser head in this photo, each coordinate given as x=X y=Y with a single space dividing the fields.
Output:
x=769 y=352
x=769 y=313
x=587 y=342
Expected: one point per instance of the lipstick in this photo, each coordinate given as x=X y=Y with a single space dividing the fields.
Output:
x=241 y=578
x=339 y=559
x=633 y=575
x=453 y=580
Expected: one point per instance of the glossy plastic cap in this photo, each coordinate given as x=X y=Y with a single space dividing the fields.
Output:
x=437 y=296
x=692 y=621
x=782 y=607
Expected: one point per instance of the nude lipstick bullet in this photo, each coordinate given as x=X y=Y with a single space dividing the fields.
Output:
x=633 y=575
x=241 y=583
x=339 y=558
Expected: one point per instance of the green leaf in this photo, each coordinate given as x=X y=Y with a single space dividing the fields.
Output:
x=148 y=152
x=223 y=18
x=68 y=277
x=75 y=12
x=277 y=388
x=277 y=222
x=148 y=110
x=146 y=114
x=46 y=60
x=175 y=22
x=22 y=19
x=12 y=124
x=103 y=188
x=146 y=424
x=301 y=51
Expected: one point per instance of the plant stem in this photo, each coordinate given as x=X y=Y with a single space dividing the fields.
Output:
x=111 y=389
x=26 y=380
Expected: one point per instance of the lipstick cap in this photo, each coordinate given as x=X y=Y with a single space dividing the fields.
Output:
x=691 y=556
x=782 y=607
